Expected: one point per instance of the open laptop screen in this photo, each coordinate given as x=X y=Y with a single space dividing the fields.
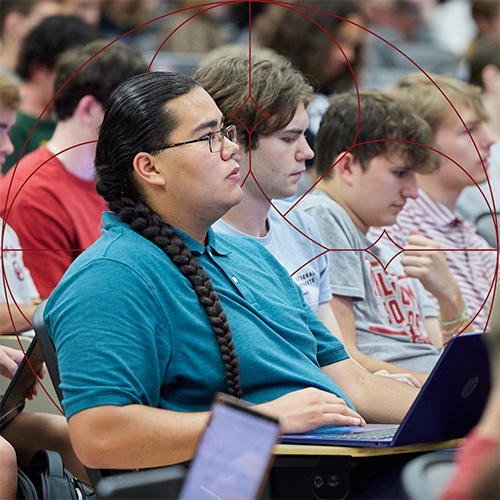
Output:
x=234 y=453
x=12 y=402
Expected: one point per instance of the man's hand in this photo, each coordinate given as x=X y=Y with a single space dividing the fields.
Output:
x=406 y=378
x=430 y=267
x=308 y=409
x=10 y=359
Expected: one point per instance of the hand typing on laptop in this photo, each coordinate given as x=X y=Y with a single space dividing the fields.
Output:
x=308 y=409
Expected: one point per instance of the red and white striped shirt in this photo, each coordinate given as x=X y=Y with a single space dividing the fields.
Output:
x=471 y=260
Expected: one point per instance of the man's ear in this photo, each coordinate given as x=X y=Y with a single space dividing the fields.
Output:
x=344 y=168
x=147 y=171
x=490 y=76
x=90 y=111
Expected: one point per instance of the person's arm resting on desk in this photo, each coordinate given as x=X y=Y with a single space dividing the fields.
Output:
x=343 y=309
x=377 y=399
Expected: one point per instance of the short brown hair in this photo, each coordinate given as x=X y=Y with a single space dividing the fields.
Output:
x=277 y=88
x=483 y=52
x=419 y=92
x=301 y=40
x=9 y=92
x=383 y=120
x=484 y=9
x=88 y=71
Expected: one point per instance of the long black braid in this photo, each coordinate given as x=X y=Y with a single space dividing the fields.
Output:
x=136 y=120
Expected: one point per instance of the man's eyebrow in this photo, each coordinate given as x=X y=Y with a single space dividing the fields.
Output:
x=208 y=124
x=3 y=125
x=294 y=131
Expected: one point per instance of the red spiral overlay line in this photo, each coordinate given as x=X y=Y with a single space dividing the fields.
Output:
x=289 y=6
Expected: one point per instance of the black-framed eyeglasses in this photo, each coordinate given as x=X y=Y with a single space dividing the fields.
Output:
x=215 y=140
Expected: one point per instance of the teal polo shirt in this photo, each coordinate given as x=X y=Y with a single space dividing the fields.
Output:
x=128 y=327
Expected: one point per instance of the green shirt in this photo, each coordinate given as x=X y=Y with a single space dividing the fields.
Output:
x=20 y=132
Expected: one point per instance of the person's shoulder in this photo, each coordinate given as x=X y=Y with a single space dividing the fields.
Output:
x=236 y=243
x=319 y=200
x=38 y=165
x=324 y=209
x=295 y=216
x=245 y=249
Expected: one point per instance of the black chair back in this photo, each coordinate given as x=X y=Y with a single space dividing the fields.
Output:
x=49 y=354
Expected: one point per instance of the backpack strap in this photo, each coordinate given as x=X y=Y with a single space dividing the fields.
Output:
x=25 y=488
x=54 y=481
x=55 y=466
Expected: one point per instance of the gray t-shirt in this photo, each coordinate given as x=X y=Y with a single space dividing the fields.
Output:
x=294 y=251
x=389 y=307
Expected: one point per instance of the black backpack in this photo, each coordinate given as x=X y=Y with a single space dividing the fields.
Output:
x=45 y=478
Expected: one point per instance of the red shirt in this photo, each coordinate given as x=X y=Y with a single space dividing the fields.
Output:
x=470 y=462
x=56 y=215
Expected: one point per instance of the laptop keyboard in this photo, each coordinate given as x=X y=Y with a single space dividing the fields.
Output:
x=370 y=435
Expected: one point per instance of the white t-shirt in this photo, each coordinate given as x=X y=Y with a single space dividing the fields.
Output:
x=295 y=247
x=18 y=283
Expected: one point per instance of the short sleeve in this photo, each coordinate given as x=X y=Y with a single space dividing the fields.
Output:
x=346 y=265
x=107 y=358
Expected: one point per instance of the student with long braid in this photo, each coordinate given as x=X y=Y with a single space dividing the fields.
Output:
x=141 y=319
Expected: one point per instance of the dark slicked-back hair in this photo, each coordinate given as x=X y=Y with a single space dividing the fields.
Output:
x=382 y=119
x=277 y=88
x=49 y=39
x=137 y=119
x=304 y=43
x=98 y=78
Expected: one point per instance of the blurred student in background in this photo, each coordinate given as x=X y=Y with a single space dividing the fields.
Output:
x=17 y=19
x=37 y=68
x=58 y=210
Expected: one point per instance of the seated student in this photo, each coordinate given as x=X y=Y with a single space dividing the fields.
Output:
x=18 y=282
x=484 y=63
x=58 y=212
x=432 y=212
x=30 y=432
x=277 y=150
x=37 y=66
x=142 y=319
x=327 y=56
x=381 y=313
x=16 y=20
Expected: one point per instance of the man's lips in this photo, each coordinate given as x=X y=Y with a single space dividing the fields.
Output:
x=235 y=174
x=298 y=174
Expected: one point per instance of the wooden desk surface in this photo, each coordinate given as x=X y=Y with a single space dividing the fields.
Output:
x=305 y=449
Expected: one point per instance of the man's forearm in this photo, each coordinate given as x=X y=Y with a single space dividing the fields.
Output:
x=382 y=400
x=16 y=318
x=376 y=399
x=373 y=365
x=135 y=436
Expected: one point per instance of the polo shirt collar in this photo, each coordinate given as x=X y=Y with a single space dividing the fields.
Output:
x=214 y=243
x=437 y=213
